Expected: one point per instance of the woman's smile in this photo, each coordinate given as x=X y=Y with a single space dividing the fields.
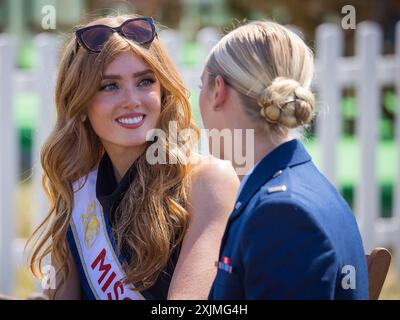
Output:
x=131 y=120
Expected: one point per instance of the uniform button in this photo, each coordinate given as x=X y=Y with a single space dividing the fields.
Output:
x=238 y=204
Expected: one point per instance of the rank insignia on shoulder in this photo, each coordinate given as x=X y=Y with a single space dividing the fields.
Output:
x=277 y=174
x=224 y=264
x=277 y=189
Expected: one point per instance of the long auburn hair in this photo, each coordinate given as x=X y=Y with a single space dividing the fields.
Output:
x=152 y=217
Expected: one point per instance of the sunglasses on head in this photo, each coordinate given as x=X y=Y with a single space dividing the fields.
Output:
x=140 y=30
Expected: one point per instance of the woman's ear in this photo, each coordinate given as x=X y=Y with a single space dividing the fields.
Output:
x=220 y=93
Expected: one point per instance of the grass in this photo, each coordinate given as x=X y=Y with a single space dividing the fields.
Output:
x=25 y=283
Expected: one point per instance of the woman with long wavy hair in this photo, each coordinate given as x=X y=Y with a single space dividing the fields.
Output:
x=121 y=225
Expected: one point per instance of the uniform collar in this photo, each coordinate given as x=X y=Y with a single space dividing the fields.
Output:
x=288 y=154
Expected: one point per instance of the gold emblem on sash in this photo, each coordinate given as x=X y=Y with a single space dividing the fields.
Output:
x=91 y=225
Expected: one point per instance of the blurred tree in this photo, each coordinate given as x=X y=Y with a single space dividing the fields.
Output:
x=3 y=16
x=204 y=13
x=387 y=15
x=308 y=14
x=167 y=12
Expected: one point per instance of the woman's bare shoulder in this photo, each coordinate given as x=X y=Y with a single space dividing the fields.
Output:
x=208 y=169
x=214 y=185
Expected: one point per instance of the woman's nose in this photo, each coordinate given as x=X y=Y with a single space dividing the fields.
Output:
x=130 y=97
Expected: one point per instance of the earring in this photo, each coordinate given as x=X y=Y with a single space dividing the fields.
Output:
x=83 y=117
x=217 y=108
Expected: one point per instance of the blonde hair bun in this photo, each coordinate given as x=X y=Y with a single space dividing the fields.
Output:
x=287 y=103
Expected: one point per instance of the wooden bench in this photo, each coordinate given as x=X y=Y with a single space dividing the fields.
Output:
x=378 y=266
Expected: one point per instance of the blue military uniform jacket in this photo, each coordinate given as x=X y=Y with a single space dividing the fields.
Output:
x=290 y=236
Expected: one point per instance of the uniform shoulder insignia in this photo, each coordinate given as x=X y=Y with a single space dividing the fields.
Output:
x=276 y=189
x=277 y=174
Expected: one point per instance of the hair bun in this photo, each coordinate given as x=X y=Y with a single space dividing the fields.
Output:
x=287 y=103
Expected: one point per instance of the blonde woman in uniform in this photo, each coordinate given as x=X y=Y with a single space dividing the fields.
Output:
x=291 y=234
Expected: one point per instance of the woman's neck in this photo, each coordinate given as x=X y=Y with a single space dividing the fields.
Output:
x=122 y=159
x=255 y=150
x=263 y=145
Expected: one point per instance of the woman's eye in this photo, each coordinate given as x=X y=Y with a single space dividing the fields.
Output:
x=146 y=82
x=109 y=87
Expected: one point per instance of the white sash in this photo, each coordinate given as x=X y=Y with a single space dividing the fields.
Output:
x=100 y=263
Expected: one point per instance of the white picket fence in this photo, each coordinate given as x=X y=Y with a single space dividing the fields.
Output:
x=367 y=72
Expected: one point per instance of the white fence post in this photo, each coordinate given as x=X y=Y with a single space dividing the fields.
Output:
x=46 y=46
x=368 y=46
x=173 y=42
x=8 y=163
x=207 y=38
x=329 y=40
x=396 y=187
